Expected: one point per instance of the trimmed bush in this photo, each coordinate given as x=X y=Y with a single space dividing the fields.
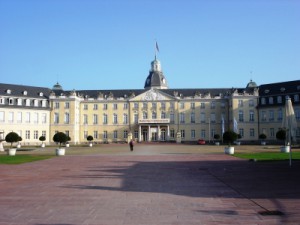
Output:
x=60 y=138
x=12 y=137
x=229 y=137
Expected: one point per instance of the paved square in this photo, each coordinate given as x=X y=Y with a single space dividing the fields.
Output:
x=154 y=184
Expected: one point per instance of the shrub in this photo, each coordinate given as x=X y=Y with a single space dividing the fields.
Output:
x=216 y=136
x=89 y=138
x=60 y=138
x=229 y=137
x=262 y=136
x=42 y=138
x=281 y=135
x=12 y=137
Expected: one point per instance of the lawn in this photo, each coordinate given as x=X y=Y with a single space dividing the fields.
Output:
x=19 y=159
x=268 y=156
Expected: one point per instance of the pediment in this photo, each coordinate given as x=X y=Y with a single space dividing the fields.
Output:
x=152 y=95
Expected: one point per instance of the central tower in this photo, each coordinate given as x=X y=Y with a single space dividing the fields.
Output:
x=156 y=78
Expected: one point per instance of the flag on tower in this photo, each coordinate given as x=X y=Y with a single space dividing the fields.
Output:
x=223 y=125
x=156 y=45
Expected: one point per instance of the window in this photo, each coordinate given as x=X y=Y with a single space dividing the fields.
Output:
x=171 y=105
x=213 y=105
x=297 y=114
x=56 y=118
x=85 y=134
x=95 y=107
x=181 y=105
x=115 y=106
x=105 y=117
x=27 y=103
x=27 y=134
x=202 y=105
x=172 y=118
x=67 y=133
x=136 y=106
x=19 y=117
x=279 y=115
x=153 y=105
x=279 y=99
x=35 y=118
x=263 y=116
x=154 y=115
x=163 y=115
x=240 y=103
x=115 y=134
x=251 y=102
x=44 y=133
x=105 y=106
x=125 y=134
x=212 y=117
x=136 y=118
x=296 y=98
x=172 y=133
x=35 y=134
x=202 y=133
x=241 y=132
x=271 y=100
x=125 y=106
x=251 y=116
x=105 y=134
x=95 y=134
x=85 y=119
x=252 y=133
x=28 y=117
x=223 y=105
x=182 y=117
x=56 y=104
x=241 y=115
x=19 y=101
x=67 y=118
x=95 y=119
x=44 y=118
x=36 y=103
x=272 y=132
x=136 y=134
x=145 y=115
x=1 y=116
x=202 y=117
x=85 y=107
x=182 y=132
x=115 y=118
x=192 y=105
x=10 y=101
x=192 y=117
x=193 y=134
x=125 y=118
x=145 y=105
x=67 y=105
x=1 y=100
x=263 y=101
x=11 y=117
x=163 y=106
x=271 y=115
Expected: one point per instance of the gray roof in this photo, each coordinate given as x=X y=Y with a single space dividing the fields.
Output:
x=281 y=88
x=18 y=90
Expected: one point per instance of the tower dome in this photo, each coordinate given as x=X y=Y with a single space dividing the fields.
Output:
x=156 y=78
x=57 y=87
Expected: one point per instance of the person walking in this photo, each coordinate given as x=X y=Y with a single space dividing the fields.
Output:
x=131 y=145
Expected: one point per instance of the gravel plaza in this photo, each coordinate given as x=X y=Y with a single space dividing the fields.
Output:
x=155 y=184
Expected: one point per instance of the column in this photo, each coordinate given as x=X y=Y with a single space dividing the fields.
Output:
x=159 y=133
x=149 y=133
x=140 y=133
x=168 y=132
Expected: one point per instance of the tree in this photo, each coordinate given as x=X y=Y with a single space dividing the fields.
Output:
x=89 y=138
x=42 y=138
x=229 y=137
x=216 y=136
x=60 y=138
x=262 y=136
x=281 y=134
x=12 y=137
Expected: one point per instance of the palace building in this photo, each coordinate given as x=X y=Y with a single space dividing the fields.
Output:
x=154 y=113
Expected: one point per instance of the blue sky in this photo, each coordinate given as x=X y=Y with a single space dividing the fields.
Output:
x=109 y=44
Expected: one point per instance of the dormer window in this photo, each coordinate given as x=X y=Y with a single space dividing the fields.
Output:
x=24 y=92
x=41 y=94
x=282 y=89
x=8 y=91
x=267 y=91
